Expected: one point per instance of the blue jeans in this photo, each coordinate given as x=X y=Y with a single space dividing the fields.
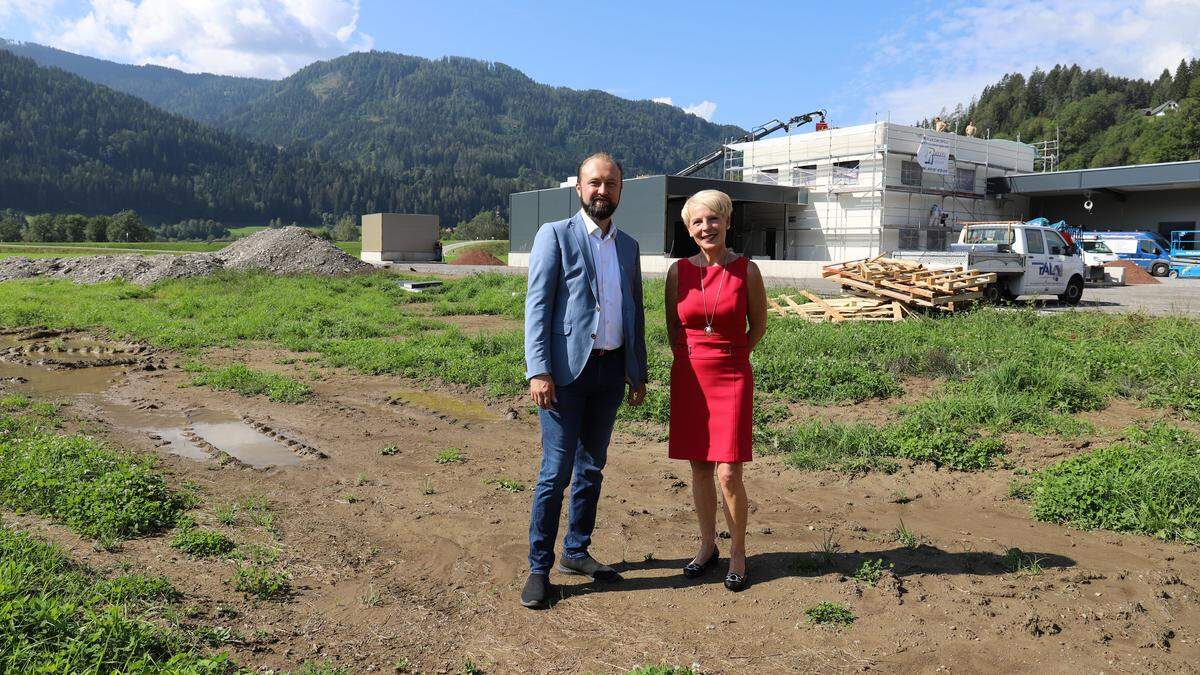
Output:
x=575 y=435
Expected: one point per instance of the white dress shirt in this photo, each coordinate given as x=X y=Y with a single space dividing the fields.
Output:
x=609 y=334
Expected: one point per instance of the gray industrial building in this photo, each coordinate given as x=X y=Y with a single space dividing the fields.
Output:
x=1150 y=197
x=650 y=212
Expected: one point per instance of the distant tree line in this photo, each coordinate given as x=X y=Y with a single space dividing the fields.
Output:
x=46 y=227
x=485 y=225
x=1098 y=117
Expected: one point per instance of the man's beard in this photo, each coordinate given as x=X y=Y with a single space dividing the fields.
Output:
x=599 y=208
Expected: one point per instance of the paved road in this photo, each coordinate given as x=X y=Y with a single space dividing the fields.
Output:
x=1172 y=296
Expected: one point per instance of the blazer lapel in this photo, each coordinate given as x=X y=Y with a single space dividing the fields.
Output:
x=589 y=264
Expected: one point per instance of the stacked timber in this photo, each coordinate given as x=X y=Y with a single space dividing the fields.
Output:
x=886 y=289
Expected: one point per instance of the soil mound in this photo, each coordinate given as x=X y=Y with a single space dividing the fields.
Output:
x=289 y=250
x=1134 y=274
x=477 y=257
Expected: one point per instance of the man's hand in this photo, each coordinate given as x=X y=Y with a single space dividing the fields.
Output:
x=636 y=395
x=541 y=390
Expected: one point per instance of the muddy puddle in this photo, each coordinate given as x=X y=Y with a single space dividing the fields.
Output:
x=443 y=404
x=55 y=365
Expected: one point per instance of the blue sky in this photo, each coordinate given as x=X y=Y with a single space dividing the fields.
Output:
x=735 y=63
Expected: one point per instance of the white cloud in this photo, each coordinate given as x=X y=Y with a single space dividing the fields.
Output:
x=955 y=51
x=263 y=38
x=704 y=109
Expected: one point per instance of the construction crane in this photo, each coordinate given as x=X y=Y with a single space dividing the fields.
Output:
x=757 y=133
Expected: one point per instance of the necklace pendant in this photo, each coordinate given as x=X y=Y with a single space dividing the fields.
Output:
x=708 y=330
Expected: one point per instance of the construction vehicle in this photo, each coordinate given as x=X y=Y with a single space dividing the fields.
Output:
x=1027 y=259
x=755 y=134
x=1148 y=250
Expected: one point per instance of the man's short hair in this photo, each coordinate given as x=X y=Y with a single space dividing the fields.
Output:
x=599 y=155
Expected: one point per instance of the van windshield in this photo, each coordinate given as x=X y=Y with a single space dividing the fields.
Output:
x=1095 y=246
x=989 y=235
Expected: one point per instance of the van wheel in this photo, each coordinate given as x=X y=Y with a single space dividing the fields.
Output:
x=1074 y=292
x=993 y=294
x=1159 y=269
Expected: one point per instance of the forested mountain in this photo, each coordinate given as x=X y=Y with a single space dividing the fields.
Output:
x=459 y=135
x=1100 y=117
x=200 y=96
x=462 y=117
x=67 y=145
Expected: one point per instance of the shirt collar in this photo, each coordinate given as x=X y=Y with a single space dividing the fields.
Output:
x=593 y=228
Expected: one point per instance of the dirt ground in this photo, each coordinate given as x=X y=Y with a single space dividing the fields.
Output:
x=399 y=557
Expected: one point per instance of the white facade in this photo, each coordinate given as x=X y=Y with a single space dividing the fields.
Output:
x=868 y=194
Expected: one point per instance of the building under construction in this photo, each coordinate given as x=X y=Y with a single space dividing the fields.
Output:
x=805 y=199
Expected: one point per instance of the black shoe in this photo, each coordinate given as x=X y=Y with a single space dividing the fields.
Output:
x=692 y=570
x=736 y=582
x=587 y=566
x=537 y=592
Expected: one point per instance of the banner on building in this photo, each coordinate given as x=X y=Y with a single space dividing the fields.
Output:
x=934 y=155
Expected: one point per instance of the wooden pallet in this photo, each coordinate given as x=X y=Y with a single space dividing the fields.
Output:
x=910 y=282
x=837 y=310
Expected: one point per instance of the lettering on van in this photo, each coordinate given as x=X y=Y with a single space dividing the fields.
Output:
x=1048 y=269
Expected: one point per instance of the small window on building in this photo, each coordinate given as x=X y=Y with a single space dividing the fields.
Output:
x=845 y=173
x=910 y=240
x=935 y=240
x=911 y=173
x=964 y=179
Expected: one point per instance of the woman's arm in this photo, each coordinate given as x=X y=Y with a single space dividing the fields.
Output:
x=756 y=296
x=671 y=298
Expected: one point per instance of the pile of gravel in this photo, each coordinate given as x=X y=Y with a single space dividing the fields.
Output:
x=290 y=250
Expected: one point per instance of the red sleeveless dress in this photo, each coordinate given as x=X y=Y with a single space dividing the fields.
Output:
x=712 y=386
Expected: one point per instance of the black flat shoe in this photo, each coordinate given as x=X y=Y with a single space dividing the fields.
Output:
x=692 y=570
x=587 y=566
x=537 y=592
x=736 y=582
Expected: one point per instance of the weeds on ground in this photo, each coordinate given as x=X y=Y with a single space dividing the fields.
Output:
x=829 y=547
x=390 y=451
x=199 y=543
x=249 y=382
x=450 y=456
x=225 y=514
x=60 y=616
x=870 y=572
x=830 y=614
x=260 y=555
x=1017 y=561
x=507 y=484
x=1148 y=483
x=906 y=537
x=427 y=488
x=78 y=481
x=261 y=582
x=662 y=669
x=470 y=667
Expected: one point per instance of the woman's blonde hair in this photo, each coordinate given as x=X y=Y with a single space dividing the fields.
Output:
x=714 y=200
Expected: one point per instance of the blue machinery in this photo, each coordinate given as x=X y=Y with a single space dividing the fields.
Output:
x=1185 y=254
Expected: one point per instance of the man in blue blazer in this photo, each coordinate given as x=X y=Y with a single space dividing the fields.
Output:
x=585 y=342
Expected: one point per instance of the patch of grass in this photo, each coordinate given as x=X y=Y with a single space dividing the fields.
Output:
x=198 y=542
x=450 y=456
x=261 y=555
x=508 y=484
x=906 y=537
x=261 y=582
x=829 y=547
x=470 y=667
x=249 y=382
x=815 y=445
x=390 y=451
x=78 y=481
x=61 y=616
x=427 y=488
x=830 y=614
x=225 y=514
x=1148 y=483
x=871 y=571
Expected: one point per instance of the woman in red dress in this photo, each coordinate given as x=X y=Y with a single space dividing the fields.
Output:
x=716 y=308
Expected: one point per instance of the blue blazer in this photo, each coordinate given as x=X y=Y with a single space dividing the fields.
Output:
x=561 y=305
